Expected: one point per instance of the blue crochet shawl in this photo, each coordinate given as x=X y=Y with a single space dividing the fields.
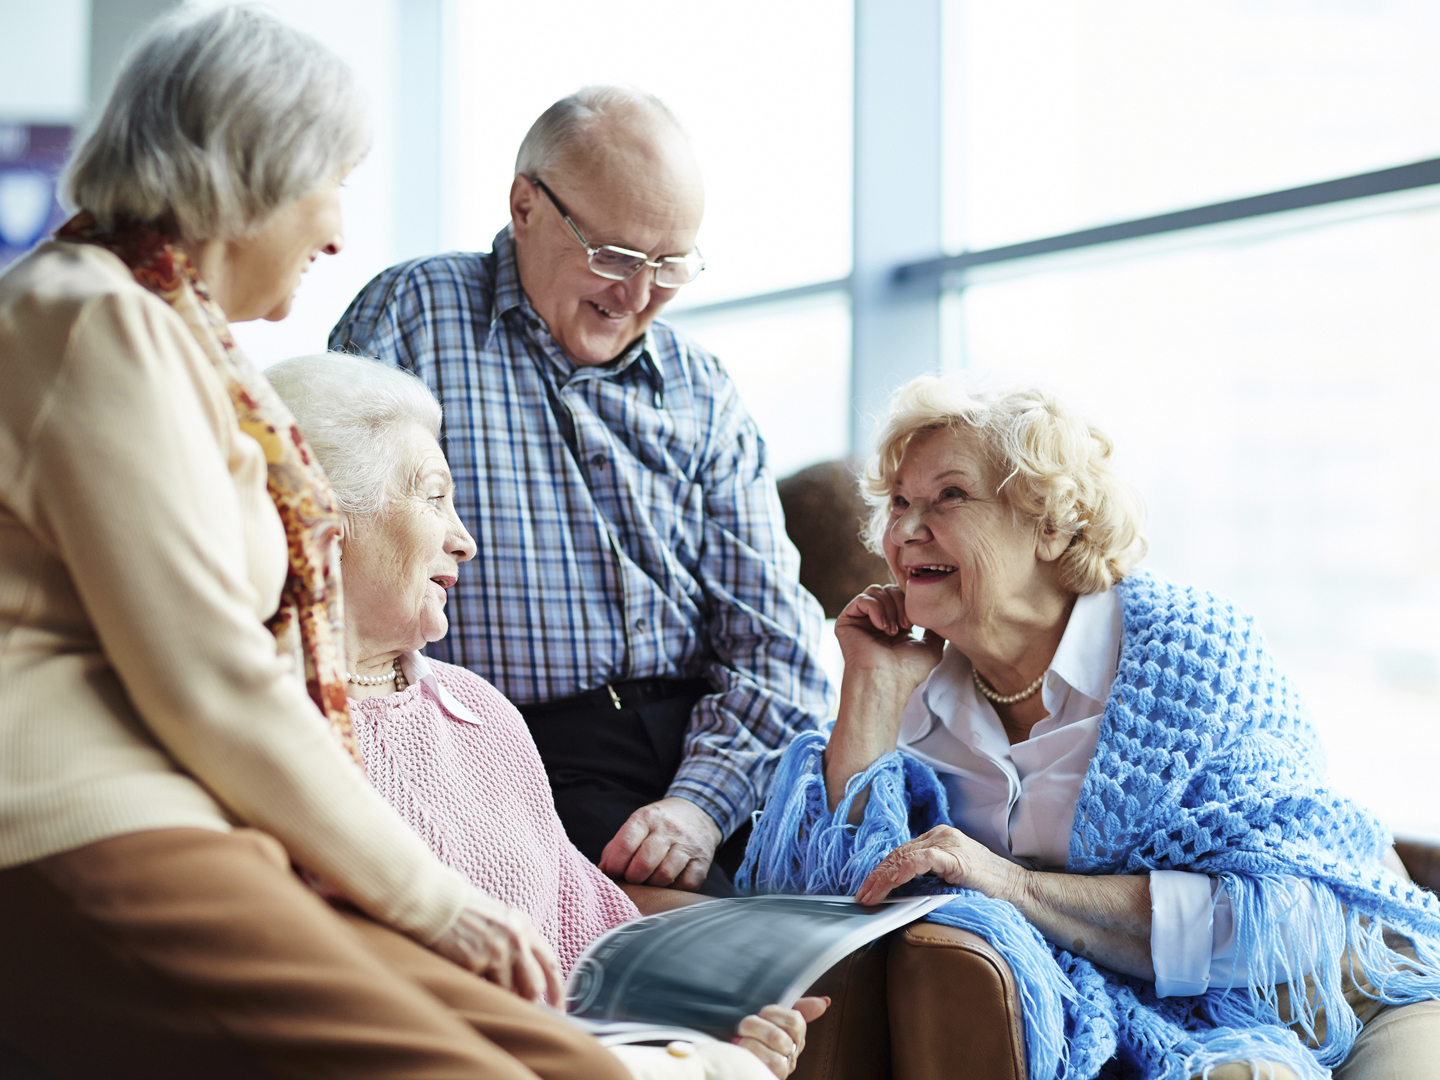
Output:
x=1207 y=762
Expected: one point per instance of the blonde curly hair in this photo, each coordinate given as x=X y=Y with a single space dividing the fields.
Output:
x=1056 y=470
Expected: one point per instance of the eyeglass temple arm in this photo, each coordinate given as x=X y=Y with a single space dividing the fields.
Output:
x=656 y=263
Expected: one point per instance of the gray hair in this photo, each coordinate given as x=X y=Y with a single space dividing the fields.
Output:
x=1055 y=467
x=350 y=410
x=564 y=124
x=218 y=119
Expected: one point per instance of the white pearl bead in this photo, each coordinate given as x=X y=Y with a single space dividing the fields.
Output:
x=375 y=680
x=1006 y=699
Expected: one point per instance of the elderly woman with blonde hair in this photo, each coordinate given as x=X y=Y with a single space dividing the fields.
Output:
x=1109 y=769
x=174 y=732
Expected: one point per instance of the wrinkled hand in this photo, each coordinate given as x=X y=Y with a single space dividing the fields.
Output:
x=500 y=943
x=874 y=635
x=668 y=842
x=776 y=1035
x=949 y=854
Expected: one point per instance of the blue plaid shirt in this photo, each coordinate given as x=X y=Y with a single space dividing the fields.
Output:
x=627 y=523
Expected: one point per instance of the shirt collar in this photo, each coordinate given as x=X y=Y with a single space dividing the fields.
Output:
x=946 y=689
x=508 y=293
x=1089 y=651
x=510 y=296
x=415 y=666
x=1086 y=660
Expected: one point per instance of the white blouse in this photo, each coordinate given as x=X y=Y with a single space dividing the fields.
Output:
x=1019 y=800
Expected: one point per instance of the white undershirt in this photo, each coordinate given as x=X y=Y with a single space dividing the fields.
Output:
x=1019 y=801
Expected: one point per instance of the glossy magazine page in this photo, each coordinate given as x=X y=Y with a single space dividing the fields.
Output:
x=707 y=966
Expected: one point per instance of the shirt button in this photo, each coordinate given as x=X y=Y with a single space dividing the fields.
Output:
x=598 y=461
x=640 y=624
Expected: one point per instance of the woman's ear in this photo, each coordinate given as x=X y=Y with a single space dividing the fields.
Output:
x=1051 y=543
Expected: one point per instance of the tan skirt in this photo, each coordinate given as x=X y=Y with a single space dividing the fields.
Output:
x=185 y=953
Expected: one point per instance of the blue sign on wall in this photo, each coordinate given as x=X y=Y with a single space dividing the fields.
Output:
x=31 y=156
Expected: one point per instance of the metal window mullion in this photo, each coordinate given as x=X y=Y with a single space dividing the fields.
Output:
x=895 y=330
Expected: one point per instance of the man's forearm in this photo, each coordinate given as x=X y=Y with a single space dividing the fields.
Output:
x=719 y=779
x=734 y=744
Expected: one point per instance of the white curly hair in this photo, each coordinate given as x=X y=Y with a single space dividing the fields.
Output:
x=351 y=410
x=1056 y=470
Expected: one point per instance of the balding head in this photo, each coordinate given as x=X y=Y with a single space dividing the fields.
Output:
x=571 y=127
x=623 y=168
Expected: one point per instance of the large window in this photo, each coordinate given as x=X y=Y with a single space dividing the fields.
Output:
x=1079 y=112
x=1272 y=393
x=764 y=90
x=1275 y=402
x=770 y=121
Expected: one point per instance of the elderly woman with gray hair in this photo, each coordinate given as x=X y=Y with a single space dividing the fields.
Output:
x=1109 y=769
x=174 y=731
x=443 y=746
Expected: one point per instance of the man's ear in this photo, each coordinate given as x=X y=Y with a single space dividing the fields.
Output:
x=1051 y=543
x=523 y=199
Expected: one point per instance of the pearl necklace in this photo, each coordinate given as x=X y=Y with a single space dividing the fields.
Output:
x=1005 y=699
x=376 y=680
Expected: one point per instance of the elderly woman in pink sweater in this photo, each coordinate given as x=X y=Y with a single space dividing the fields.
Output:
x=443 y=746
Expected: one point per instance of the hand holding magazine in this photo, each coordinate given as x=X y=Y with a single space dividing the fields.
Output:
x=697 y=971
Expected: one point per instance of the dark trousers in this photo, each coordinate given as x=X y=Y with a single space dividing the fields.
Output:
x=605 y=761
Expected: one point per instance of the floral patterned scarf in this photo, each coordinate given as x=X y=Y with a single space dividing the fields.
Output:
x=309 y=624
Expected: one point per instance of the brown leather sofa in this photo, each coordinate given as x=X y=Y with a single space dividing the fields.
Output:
x=891 y=999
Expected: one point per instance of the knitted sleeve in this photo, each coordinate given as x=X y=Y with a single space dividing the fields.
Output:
x=567 y=897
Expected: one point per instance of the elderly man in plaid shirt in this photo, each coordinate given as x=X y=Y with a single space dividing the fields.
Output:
x=635 y=593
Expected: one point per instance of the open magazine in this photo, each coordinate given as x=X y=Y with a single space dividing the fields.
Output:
x=697 y=971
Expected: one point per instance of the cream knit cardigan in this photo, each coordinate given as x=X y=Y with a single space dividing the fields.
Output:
x=139 y=556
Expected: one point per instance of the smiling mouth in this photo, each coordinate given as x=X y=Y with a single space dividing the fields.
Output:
x=445 y=581
x=930 y=571
x=615 y=316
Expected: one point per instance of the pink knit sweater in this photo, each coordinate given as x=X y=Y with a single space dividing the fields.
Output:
x=479 y=797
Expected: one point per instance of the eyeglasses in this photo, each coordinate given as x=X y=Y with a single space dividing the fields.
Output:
x=621 y=264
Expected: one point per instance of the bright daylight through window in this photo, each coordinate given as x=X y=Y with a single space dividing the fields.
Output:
x=1271 y=390
x=1269 y=387
x=777 y=213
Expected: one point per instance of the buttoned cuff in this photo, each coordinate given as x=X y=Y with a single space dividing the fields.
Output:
x=1181 y=932
x=709 y=796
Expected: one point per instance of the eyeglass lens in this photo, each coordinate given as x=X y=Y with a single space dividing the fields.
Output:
x=619 y=265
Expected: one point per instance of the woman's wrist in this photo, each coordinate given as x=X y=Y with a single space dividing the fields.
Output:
x=867 y=727
x=1015 y=885
x=872 y=703
x=892 y=680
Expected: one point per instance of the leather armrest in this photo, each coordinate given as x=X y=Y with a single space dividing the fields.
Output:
x=852 y=1040
x=954 y=1007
